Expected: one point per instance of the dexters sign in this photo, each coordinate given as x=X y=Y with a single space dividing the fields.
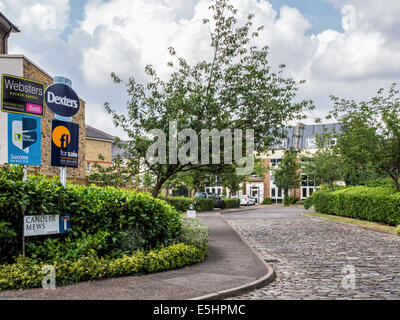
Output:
x=62 y=100
x=24 y=140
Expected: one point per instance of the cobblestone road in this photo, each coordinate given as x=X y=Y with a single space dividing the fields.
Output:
x=315 y=259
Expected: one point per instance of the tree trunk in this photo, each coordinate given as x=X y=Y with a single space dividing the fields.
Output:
x=286 y=199
x=396 y=183
x=158 y=187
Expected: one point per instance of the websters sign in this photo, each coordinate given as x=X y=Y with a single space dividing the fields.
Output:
x=22 y=96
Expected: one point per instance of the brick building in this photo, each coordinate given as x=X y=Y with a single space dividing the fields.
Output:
x=21 y=66
x=98 y=143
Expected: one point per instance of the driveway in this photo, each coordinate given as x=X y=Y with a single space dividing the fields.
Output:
x=318 y=259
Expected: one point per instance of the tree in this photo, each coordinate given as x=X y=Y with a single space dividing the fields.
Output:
x=370 y=135
x=118 y=175
x=287 y=174
x=228 y=92
x=232 y=181
x=326 y=164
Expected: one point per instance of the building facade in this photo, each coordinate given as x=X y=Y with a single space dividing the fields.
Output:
x=98 y=143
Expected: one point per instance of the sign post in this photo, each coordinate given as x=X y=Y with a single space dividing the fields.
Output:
x=62 y=100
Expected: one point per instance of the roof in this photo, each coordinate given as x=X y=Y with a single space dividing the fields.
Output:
x=306 y=132
x=117 y=151
x=95 y=134
x=7 y=23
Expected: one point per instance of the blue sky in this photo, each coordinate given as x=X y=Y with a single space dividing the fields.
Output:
x=87 y=40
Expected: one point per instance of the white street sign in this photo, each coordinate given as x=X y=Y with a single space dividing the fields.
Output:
x=41 y=225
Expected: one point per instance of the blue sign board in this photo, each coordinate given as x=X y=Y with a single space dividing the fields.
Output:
x=62 y=100
x=24 y=140
x=65 y=144
x=65 y=223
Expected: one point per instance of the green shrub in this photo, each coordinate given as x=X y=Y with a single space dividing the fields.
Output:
x=26 y=273
x=231 y=203
x=194 y=233
x=290 y=200
x=308 y=203
x=372 y=204
x=93 y=210
x=267 y=201
x=182 y=204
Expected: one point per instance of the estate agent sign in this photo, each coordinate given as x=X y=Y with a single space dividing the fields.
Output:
x=65 y=144
x=24 y=143
x=46 y=225
x=22 y=96
x=62 y=100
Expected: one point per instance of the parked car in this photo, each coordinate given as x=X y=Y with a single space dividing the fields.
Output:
x=246 y=200
x=254 y=198
x=218 y=201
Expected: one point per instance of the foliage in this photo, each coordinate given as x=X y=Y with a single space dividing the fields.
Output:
x=267 y=201
x=372 y=204
x=27 y=273
x=287 y=174
x=308 y=202
x=326 y=164
x=194 y=233
x=232 y=181
x=228 y=92
x=182 y=204
x=117 y=175
x=231 y=203
x=370 y=133
x=93 y=210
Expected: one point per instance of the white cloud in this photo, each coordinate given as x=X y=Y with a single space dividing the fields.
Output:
x=123 y=36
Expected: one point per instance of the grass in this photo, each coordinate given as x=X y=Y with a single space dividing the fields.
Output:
x=360 y=223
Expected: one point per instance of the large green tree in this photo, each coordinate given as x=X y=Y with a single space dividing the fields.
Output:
x=370 y=136
x=287 y=173
x=236 y=89
x=326 y=165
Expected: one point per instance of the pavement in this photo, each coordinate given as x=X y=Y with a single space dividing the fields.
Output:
x=232 y=267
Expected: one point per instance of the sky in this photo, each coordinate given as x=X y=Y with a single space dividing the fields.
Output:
x=345 y=48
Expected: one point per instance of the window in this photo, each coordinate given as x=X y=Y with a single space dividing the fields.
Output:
x=88 y=167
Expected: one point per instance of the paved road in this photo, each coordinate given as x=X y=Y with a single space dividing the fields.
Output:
x=317 y=259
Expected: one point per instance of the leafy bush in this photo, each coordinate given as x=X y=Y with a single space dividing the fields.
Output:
x=93 y=210
x=267 y=201
x=194 y=233
x=26 y=273
x=182 y=204
x=290 y=200
x=372 y=204
x=231 y=203
x=308 y=203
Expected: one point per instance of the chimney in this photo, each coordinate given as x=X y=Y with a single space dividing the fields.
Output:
x=298 y=135
x=6 y=28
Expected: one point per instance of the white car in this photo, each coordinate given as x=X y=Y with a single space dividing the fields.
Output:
x=247 y=201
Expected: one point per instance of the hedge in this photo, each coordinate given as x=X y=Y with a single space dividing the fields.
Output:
x=182 y=204
x=130 y=220
x=194 y=232
x=267 y=201
x=372 y=204
x=231 y=203
x=27 y=274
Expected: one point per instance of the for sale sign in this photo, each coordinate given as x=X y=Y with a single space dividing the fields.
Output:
x=65 y=144
x=22 y=96
x=46 y=225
